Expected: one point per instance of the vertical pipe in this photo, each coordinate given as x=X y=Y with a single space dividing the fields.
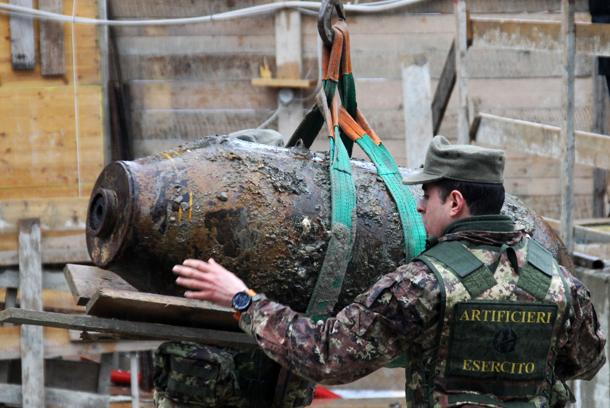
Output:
x=567 y=126
x=600 y=117
x=461 y=40
x=134 y=370
x=102 y=33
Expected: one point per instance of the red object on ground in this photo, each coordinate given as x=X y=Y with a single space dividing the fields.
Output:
x=122 y=377
x=324 y=393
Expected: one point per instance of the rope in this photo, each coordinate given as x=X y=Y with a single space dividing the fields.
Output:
x=374 y=7
x=75 y=96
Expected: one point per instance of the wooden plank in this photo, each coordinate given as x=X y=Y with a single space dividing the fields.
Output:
x=84 y=281
x=542 y=140
x=56 y=214
x=30 y=282
x=591 y=38
x=12 y=394
x=52 y=58
x=67 y=246
x=443 y=91
x=23 y=49
x=461 y=77
x=104 y=373
x=417 y=112
x=205 y=94
x=137 y=329
x=283 y=83
x=151 y=307
x=288 y=61
x=568 y=138
x=58 y=343
x=582 y=234
x=51 y=279
x=87 y=55
x=56 y=301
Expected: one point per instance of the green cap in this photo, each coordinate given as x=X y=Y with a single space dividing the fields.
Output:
x=459 y=162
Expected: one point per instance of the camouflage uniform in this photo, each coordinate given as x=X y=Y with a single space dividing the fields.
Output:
x=400 y=315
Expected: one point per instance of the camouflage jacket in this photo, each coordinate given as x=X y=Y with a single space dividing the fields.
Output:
x=399 y=315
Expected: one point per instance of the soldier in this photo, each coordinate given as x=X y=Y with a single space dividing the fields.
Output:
x=485 y=316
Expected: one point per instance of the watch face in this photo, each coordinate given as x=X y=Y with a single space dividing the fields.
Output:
x=241 y=301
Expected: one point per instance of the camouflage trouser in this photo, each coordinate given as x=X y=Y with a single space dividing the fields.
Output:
x=189 y=375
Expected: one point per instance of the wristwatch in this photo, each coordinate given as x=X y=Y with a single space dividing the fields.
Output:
x=242 y=300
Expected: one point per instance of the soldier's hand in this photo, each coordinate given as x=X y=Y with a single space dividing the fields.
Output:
x=208 y=281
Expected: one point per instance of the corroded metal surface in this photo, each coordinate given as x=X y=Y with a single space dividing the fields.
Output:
x=261 y=211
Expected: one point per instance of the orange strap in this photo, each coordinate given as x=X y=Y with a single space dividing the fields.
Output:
x=353 y=129
x=367 y=128
x=331 y=59
x=346 y=58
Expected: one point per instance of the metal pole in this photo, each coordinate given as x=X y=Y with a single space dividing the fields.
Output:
x=461 y=40
x=567 y=126
x=600 y=117
x=135 y=384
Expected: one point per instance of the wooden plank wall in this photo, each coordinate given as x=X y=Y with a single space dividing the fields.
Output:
x=191 y=81
x=38 y=160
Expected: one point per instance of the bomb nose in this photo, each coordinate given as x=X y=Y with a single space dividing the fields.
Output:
x=103 y=212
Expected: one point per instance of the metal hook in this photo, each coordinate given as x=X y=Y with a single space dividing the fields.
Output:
x=325 y=28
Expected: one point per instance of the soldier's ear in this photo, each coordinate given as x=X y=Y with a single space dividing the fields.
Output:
x=459 y=206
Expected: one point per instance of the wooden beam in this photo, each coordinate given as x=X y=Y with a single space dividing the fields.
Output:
x=151 y=307
x=85 y=281
x=568 y=137
x=52 y=56
x=51 y=279
x=461 y=48
x=59 y=343
x=289 y=61
x=417 y=112
x=59 y=248
x=541 y=140
x=56 y=397
x=591 y=38
x=23 y=49
x=128 y=328
x=583 y=234
x=444 y=88
x=56 y=214
x=30 y=286
x=283 y=83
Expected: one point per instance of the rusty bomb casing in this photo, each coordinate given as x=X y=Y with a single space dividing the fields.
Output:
x=261 y=211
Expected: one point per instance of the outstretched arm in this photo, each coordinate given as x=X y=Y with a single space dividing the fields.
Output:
x=361 y=338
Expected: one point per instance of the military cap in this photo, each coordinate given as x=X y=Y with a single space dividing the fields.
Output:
x=459 y=162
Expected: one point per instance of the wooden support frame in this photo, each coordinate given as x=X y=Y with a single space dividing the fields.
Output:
x=599 y=125
x=583 y=234
x=127 y=328
x=591 y=38
x=444 y=88
x=542 y=140
x=30 y=285
x=417 y=112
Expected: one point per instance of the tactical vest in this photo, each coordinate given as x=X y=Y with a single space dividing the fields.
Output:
x=502 y=310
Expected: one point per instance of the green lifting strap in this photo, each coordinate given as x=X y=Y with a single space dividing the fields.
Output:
x=413 y=230
x=347 y=91
x=343 y=229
